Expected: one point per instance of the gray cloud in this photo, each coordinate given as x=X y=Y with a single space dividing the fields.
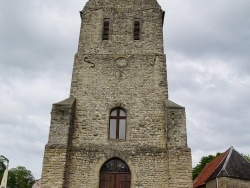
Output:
x=38 y=42
x=209 y=28
x=207 y=46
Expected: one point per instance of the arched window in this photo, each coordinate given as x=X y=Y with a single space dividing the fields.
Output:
x=115 y=173
x=117 y=124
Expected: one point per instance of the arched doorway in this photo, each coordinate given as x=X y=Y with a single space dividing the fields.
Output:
x=115 y=174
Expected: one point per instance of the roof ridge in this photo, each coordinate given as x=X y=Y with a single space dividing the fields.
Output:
x=227 y=159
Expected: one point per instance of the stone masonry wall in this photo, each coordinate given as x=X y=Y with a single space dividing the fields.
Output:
x=54 y=168
x=120 y=72
x=176 y=127
x=121 y=14
x=143 y=165
x=180 y=168
x=138 y=87
x=62 y=117
x=56 y=151
x=225 y=182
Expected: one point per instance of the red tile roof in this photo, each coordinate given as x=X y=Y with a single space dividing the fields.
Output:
x=209 y=170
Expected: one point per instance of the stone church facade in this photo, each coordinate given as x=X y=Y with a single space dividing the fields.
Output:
x=118 y=129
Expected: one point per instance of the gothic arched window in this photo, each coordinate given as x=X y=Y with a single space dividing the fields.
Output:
x=117 y=124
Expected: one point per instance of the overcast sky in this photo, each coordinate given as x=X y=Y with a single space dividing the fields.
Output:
x=207 y=44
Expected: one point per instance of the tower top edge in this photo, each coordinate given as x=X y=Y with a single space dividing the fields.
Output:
x=137 y=4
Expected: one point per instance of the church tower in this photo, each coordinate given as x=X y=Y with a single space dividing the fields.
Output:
x=118 y=129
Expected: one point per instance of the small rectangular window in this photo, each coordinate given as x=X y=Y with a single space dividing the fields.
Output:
x=137 y=29
x=105 y=34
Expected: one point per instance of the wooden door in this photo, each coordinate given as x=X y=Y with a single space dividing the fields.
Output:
x=107 y=180
x=115 y=173
x=122 y=181
x=115 y=180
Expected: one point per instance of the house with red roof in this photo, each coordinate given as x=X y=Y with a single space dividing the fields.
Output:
x=229 y=170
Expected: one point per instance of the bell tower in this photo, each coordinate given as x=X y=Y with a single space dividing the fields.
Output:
x=118 y=128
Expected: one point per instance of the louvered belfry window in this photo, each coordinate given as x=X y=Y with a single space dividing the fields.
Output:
x=137 y=29
x=105 y=34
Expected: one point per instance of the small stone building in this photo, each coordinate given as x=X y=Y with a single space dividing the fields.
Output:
x=229 y=170
x=118 y=128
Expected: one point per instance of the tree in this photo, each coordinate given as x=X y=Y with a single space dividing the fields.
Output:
x=247 y=157
x=20 y=177
x=204 y=160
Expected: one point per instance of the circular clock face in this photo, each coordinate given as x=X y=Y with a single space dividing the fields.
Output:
x=121 y=62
